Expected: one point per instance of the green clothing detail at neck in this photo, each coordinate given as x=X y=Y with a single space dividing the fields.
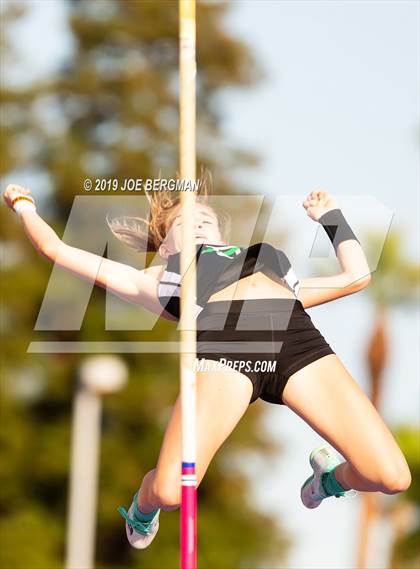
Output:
x=225 y=251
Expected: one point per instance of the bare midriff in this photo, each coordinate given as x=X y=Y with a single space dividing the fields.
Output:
x=255 y=286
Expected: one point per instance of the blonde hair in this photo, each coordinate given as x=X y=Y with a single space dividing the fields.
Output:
x=146 y=235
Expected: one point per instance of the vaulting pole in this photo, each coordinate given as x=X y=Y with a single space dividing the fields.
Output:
x=187 y=65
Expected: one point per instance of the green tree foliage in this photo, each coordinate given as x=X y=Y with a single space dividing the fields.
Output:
x=406 y=550
x=396 y=279
x=394 y=284
x=112 y=112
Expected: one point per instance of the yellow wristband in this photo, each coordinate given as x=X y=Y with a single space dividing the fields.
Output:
x=22 y=203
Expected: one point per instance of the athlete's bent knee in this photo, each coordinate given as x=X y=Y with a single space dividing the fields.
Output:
x=390 y=475
x=167 y=494
x=398 y=481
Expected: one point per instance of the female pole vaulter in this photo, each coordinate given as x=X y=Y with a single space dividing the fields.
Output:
x=244 y=296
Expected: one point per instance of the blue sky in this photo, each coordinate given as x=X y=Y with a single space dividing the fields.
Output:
x=339 y=109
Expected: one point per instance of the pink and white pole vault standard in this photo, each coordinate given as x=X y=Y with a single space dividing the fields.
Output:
x=187 y=71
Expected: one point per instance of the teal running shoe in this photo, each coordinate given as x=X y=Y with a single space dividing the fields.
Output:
x=312 y=492
x=139 y=534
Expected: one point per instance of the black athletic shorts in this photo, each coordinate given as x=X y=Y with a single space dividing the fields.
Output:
x=267 y=340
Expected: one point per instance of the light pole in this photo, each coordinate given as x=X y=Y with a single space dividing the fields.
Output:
x=98 y=375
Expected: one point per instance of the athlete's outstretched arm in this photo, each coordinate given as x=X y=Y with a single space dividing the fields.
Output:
x=126 y=282
x=355 y=273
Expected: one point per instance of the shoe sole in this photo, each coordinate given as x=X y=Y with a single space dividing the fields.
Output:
x=307 y=500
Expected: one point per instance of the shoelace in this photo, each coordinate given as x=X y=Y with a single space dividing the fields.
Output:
x=347 y=494
x=315 y=496
x=144 y=528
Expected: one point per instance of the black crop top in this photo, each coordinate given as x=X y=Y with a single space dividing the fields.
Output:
x=218 y=266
